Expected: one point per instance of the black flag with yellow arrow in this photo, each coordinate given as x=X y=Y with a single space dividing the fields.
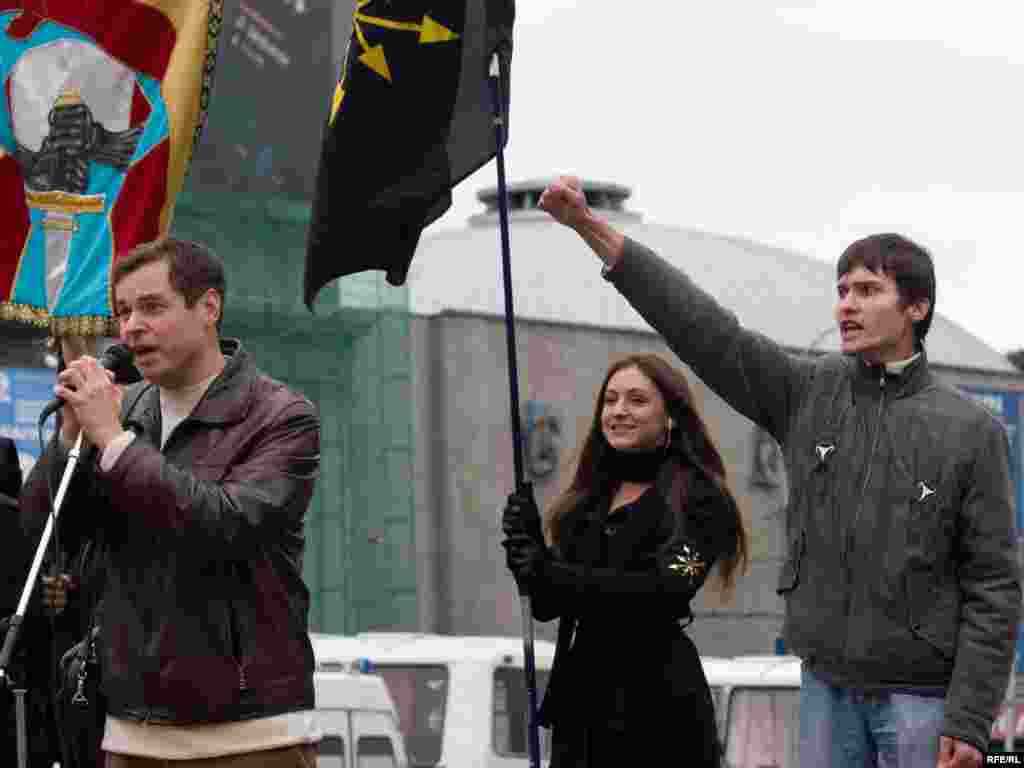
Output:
x=412 y=115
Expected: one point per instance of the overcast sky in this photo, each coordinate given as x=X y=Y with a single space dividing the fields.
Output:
x=799 y=124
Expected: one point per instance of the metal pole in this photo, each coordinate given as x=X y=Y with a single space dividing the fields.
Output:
x=529 y=662
x=506 y=263
x=22 y=734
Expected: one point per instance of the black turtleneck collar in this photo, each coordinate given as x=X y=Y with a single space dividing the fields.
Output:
x=633 y=466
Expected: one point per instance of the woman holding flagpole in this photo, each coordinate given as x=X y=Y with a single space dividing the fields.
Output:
x=618 y=559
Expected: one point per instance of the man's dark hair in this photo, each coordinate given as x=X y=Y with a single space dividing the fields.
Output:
x=906 y=262
x=192 y=268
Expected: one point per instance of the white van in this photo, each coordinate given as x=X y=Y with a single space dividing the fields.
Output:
x=1002 y=725
x=757 y=703
x=461 y=701
x=358 y=721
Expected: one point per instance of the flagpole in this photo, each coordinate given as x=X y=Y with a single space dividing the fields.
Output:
x=529 y=663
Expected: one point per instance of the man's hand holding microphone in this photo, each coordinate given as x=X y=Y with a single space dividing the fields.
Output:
x=90 y=387
x=93 y=400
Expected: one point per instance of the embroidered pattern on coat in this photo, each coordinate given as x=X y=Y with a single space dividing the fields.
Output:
x=688 y=563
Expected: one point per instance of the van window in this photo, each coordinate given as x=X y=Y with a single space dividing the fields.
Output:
x=510 y=705
x=420 y=693
x=331 y=752
x=763 y=728
x=375 y=752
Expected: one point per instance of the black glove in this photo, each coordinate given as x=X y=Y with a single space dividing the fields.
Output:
x=524 y=540
x=72 y=129
x=521 y=516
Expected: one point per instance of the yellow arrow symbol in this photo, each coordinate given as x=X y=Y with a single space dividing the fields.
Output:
x=430 y=31
x=374 y=59
x=339 y=96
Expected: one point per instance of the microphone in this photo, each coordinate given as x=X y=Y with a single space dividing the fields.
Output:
x=117 y=358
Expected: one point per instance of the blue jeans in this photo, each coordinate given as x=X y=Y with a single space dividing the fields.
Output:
x=850 y=728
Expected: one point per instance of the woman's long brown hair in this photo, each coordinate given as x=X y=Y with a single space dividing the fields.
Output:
x=690 y=449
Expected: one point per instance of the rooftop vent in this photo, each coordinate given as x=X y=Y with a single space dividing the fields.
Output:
x=524 y=195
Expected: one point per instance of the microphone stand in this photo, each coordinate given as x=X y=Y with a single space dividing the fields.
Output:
x=14 y=627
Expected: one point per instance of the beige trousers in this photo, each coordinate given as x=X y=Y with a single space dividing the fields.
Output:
x=299 y=756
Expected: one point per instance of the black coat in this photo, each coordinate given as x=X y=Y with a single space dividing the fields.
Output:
x=41 y=640
x=627 y=686
x=10 y=469
x=15 y=551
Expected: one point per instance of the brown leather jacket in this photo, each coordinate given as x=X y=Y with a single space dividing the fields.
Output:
x=203 y=611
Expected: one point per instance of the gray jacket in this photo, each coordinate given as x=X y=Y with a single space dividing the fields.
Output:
x=901 y=566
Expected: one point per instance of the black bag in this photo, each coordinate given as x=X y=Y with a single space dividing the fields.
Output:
x=81 y=706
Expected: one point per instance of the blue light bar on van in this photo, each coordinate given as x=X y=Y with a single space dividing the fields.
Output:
x=364 y=666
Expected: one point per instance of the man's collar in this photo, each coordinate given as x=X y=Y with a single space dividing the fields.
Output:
x=225 y=401
x=227 y=398
x=904 y=377
x=897 y=367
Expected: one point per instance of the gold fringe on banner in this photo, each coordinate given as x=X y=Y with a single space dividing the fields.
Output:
x=24 y=313
x=97 y=325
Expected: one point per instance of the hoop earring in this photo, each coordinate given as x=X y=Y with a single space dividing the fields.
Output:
x=668 y=434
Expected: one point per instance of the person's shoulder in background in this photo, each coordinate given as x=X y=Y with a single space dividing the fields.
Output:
x=10 y=469
x=13 y=550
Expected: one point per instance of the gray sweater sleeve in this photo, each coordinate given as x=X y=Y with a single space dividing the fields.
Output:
x=746 y=369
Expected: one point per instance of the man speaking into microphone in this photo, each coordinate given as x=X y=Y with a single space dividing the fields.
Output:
x=194 y=483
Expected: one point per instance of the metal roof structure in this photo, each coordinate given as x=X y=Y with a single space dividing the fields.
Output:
x=752 y=671
x=783 y=294
x=416 y=648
